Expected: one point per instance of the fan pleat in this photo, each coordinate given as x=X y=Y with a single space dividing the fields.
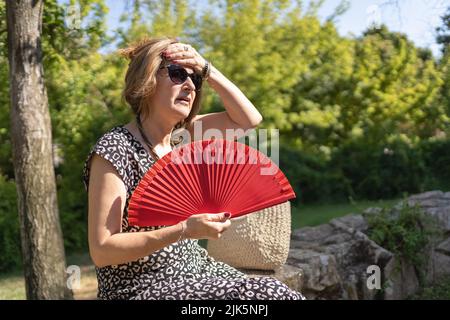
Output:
x=180 y=171
x=263 y=194
x=220 y=168
x=194 y=181
x=226 y=173
x=191 y=171
x=241 y=157
x=189 y=192
x=229 y=174
x=170 y=187
x=155 y=205
x=167 y=199
x=247 y=172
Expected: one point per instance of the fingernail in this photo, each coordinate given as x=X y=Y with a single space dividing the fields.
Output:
x=227 y=215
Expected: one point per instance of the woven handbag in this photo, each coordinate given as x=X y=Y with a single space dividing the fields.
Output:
x=259 y=240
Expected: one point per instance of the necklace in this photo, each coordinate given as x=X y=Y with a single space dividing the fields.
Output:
x=147 y=142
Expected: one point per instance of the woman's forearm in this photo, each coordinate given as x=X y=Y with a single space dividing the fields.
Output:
x=237 y=105
x=130 y=246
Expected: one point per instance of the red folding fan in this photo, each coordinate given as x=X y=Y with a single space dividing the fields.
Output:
x=208 y=176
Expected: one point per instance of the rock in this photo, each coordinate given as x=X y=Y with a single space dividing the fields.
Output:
x=440 y=265
x=444 y=247
x=311 y=234
x=338 y=260
x=352 y=221
x=402 y=280
x=320 y=275
x=291 y=276
x=442 y=214
x=427 y=195
x=436 y=204
x=335 y=257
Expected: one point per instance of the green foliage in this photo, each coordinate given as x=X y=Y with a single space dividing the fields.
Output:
x=312 y=178
x=443 y=32
x=405 y=231
x=436 y=156
x=85 y=100
x=69 y=36
x=438 y=291
x=381 y=170
x=10 y=254
x=396 y=88
x=155 y=18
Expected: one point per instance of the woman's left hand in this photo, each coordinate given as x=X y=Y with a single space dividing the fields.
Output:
x=185 y=55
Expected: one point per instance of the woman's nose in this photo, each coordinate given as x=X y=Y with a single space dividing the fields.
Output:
x=188 y=84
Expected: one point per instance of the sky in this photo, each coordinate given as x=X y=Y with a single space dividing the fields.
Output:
x=416 y=18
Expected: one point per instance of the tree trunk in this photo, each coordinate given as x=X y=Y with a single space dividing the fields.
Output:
x=41 y=236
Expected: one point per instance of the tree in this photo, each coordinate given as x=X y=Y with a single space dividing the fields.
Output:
x=443 y=36
x=41 y=236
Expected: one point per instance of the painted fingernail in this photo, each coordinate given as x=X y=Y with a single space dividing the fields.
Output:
x=227 y=215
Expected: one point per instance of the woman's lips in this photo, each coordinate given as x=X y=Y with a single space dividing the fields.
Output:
x=183 y=101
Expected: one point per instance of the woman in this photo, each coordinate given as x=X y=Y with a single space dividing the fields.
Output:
x=162 y=86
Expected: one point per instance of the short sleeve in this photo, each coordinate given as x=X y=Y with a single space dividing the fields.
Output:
x=112 y=146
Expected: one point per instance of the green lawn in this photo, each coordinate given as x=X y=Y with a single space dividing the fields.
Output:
x=12 y=286
x=315 y=214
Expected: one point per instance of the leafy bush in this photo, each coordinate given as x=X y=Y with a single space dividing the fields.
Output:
x=436 y=156
x=312 y=178
x=439 y=291
x=381 y=171
x=405 y=231
x=10 y=254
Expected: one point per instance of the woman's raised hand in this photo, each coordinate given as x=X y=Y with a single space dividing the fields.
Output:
x=185 y=55
x=207 y=225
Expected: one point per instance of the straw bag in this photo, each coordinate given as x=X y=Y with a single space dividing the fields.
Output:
x=259 y=240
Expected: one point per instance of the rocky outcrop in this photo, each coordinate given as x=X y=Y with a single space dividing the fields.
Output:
x=338 y=260
x=437 y=205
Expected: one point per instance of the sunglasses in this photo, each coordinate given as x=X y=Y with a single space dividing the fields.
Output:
x=179 y=75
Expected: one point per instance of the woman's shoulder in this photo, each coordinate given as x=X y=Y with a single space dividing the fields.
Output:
x=113 y=146
x=118 y=136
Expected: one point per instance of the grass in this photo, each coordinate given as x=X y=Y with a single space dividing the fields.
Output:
x=12 y=285
x=315 y=214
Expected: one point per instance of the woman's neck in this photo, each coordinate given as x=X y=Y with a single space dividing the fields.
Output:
x=157 y=131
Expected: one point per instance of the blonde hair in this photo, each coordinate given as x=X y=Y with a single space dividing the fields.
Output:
x=140 y=79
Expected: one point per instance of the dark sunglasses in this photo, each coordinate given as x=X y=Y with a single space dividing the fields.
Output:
x=179 y=75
